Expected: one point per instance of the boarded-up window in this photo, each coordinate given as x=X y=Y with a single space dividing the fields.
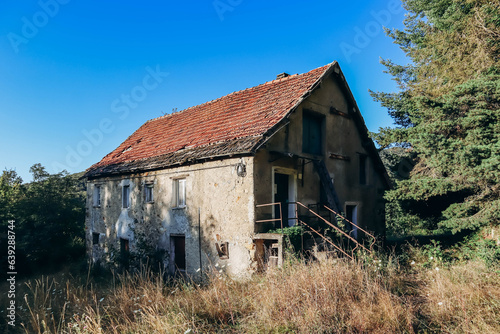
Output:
x=312 y=136
x=222 y=250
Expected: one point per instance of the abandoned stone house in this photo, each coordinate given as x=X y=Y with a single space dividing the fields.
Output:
x=197 y=186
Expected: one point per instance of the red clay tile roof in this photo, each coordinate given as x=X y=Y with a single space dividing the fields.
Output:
x=233 y=124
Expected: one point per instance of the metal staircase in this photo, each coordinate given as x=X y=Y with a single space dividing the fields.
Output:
x=329 y=230
x=339 y=231
x=344 y=243
x=326 y=181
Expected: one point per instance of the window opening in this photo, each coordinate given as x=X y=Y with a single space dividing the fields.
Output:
x=95 y=238
x=148 y=192
x=97 y=195
x=126 y=196
x=180 y=193
x=312 y=135
x=222 y=250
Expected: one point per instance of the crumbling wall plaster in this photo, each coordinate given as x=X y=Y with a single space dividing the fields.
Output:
x=219 y=204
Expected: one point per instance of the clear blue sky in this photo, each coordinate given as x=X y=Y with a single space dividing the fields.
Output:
x=78 y=77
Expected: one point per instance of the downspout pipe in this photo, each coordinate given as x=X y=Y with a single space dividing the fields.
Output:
x=199 y=242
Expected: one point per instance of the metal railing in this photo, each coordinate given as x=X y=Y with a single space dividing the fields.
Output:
x=374 y=240
x=280 y=219
x=337 y=229
x=327 y=240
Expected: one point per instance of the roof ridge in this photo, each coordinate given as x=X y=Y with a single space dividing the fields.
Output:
x=292 y=76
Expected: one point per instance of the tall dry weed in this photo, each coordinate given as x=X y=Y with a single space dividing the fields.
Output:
x=333 y=296
x=464 y=298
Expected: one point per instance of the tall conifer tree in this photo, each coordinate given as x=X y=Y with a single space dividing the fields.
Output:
x=447 y=112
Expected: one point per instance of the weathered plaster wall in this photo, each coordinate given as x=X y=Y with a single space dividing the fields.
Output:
x=341 y=137
x=221 y=205
x=216 y=198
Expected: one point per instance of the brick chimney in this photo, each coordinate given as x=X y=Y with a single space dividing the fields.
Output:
x=282 y=75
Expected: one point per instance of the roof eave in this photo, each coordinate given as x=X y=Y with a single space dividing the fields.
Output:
x=176 y=159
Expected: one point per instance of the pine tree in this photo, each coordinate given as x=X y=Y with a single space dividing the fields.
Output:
x=447 y=112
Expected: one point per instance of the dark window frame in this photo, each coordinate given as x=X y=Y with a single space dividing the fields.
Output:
x=149 y=192
x=96 y=196
x=313 y=132
x=95 y=238
x=180 y=195
x=125 y=196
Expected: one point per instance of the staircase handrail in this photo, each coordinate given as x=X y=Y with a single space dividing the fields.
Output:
x=354 y=224
x=335 y=227
x=280 y=219
x=327 y=240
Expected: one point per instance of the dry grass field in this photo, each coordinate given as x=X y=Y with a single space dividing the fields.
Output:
x=372 y=295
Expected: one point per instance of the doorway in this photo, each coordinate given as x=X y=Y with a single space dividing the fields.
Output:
x=351 y=212
x=284 y=186
x=177 y=254
x=281 y=196
x=124 y=253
